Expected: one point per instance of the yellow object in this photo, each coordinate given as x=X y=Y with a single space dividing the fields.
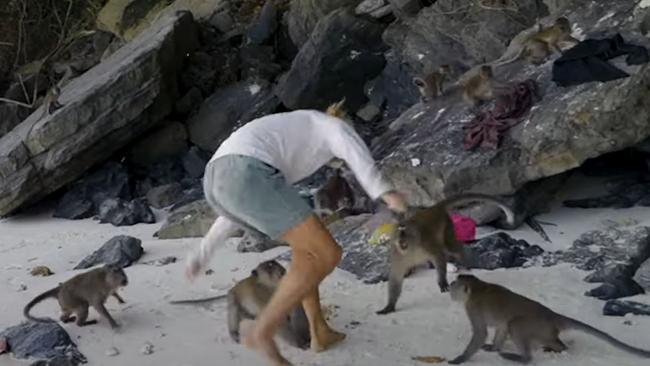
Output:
x=382 y=234
x=429 y=359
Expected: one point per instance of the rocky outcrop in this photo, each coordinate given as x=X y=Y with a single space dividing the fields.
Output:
x=168 y=140
x=128 y=18
x=642 y=275
x=103 y=110
x=303 y=16
x=568 y=126
x=343 y=53
x=125 y=213
x=228 y=109
x=189 y=221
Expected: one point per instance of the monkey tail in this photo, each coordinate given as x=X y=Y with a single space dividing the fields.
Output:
x=513 y=59
x=450 y=202
x=47 y=294
x=578 y=325
x=197 y=301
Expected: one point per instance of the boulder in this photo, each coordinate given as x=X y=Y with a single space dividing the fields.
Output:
x=616 y=288
x=189 y=221
x=125 y=213
x=567 y=127
x=344 y=52
x=34 y=340
x=121 y=250
x=165 y=141
x=164 y=196
x=265 y=24
x=304 y=15
x=104 y=109
x=194 y=162
x=10 y=117
x=128 y=18
x=228 y=109
x=83 y=198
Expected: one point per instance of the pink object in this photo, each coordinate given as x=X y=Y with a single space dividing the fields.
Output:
x=464 y=227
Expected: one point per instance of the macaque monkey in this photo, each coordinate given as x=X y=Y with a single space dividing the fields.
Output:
x=430 y=86
x=523 y=320
x=427 y=234
x=249 y=296
x=75 y=295
x=540 y=45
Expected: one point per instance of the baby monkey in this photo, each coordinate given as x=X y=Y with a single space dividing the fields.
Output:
x=523 y=320
x=481 y=87
x=249 y=296
x=75 y=295
x=540 y=45
x=427 y=234
x=430 y=86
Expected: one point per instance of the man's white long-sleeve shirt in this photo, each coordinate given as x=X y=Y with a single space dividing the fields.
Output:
x=298 y=143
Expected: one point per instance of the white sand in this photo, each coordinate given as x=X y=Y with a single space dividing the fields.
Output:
x=427 y=322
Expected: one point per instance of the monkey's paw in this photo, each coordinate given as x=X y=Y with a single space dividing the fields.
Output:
x=489 y=348
x=444 y=287
x=387 y=310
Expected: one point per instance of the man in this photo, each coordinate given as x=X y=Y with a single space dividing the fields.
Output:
x=249 y=181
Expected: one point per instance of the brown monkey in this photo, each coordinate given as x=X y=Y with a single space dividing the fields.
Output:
x=249 y=296
x=481 y=87
x=430 y=86
x=75 y=295
x=427 y=234
x=518 y=317
x=539 y=45
x=334 y=195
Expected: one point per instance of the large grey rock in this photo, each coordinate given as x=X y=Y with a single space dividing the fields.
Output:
x=303 y=16
x=104 y=109
x=228 y=109
x=343 y=53
x=623 y=307
x=119 y=212
x=642 y=275
x=47 y=341
x=122 y=250
x=10 y=117
x=567 y=127
x=188 y=221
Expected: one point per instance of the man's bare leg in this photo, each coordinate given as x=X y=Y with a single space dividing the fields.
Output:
x=315 y=254
x=322 y=336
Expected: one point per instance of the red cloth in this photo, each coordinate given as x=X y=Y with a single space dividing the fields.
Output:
x=510 y=108
x=464 y=227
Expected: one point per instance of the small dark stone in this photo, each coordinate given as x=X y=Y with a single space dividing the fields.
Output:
x=610 y=273
x=623 y=307
x=47 y=341
x=189 y=101
x=500 y=251
x=56 y=361
x=164 y=196
x=121 y=250
x=616 y=288
x=83 y=198
x=123 y=213
x=642 y=275
x=600 y=202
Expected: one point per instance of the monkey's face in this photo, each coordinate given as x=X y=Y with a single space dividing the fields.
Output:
x=269 y=272
x=116 y=276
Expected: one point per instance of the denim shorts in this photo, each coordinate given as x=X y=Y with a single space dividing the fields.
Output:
x=254 y=195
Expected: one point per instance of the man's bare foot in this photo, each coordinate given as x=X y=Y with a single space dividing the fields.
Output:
x=192 y=268
x=266 y=347
x=325 y=338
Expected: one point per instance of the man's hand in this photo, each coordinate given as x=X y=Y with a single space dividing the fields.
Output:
x=395 y=201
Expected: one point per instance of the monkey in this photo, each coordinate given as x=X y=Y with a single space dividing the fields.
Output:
x=518 y=317
x=541 y=44
x=86 y=289
x=51 y=100
x=249 y=296
x=427 y=234
x=430 y=86
x=334 y=195
x=481 y=87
